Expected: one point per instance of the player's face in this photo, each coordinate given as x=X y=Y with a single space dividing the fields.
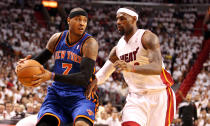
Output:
x=77 y=24
x=123 y=23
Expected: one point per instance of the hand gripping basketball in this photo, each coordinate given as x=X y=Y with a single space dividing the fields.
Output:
x=20 y=62
x=26 y=69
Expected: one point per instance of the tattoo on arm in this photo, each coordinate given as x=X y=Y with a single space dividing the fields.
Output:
x=53 y=41
x=151 y=42
x=90 y=49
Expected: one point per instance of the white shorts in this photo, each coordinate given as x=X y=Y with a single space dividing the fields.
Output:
x=150 y=109
x=28 y=121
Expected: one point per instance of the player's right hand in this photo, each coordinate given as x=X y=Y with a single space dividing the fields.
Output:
x=43 y=77
x=21 y=61
x=121 y=65
x=91 y=89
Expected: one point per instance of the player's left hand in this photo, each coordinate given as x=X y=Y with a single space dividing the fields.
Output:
x=21 y=61
x=45 y=76
x=91 y=89
x=121 y=65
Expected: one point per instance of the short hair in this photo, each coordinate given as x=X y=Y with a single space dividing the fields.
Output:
x=8 y=102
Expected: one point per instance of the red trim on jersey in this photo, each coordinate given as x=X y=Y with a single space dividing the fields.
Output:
x=170 y=107
x=166 y=78
x=130 y=123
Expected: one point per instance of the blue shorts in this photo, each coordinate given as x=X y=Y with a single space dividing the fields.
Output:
x=67 y=106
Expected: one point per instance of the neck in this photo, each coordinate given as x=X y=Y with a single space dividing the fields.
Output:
x=130 y=34
x=73 y=37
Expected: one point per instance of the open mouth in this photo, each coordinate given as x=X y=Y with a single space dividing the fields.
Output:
x=81 y=29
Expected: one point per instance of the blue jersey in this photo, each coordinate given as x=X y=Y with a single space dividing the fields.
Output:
x=67 y=102
x=67 y=59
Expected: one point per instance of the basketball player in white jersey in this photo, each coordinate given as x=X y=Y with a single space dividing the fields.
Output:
x=150 y=101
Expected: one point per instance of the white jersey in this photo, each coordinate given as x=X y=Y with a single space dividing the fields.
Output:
x=133 y=53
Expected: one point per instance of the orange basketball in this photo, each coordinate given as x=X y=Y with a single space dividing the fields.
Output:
x=26 y=70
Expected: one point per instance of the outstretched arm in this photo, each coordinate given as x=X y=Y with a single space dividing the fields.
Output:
x=113 y=56
x=108 y=68
x=151 y=43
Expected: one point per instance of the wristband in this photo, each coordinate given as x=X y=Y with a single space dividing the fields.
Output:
x=52 y=76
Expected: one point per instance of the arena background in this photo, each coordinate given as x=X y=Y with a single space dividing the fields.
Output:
x=182 y=26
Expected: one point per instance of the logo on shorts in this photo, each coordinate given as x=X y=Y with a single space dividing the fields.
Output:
x=89 y=112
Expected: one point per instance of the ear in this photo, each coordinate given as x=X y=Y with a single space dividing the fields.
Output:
x=134 y=19
x=68 y=20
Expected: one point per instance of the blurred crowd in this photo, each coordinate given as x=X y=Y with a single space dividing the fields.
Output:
x=199 y=97
x=21 y=34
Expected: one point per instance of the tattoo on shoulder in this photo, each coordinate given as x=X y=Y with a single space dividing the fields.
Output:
x=53 y=41
x=150 y=40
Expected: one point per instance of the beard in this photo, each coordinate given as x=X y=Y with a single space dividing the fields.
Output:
x=122 y=32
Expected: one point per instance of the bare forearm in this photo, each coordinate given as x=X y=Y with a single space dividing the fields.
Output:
x=149 y=69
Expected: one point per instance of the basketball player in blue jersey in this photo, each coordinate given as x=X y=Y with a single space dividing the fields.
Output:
x=75 y=54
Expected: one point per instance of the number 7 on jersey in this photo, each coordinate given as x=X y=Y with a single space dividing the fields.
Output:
x=67 y=66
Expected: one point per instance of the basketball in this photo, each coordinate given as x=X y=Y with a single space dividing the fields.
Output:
x=26 y=71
